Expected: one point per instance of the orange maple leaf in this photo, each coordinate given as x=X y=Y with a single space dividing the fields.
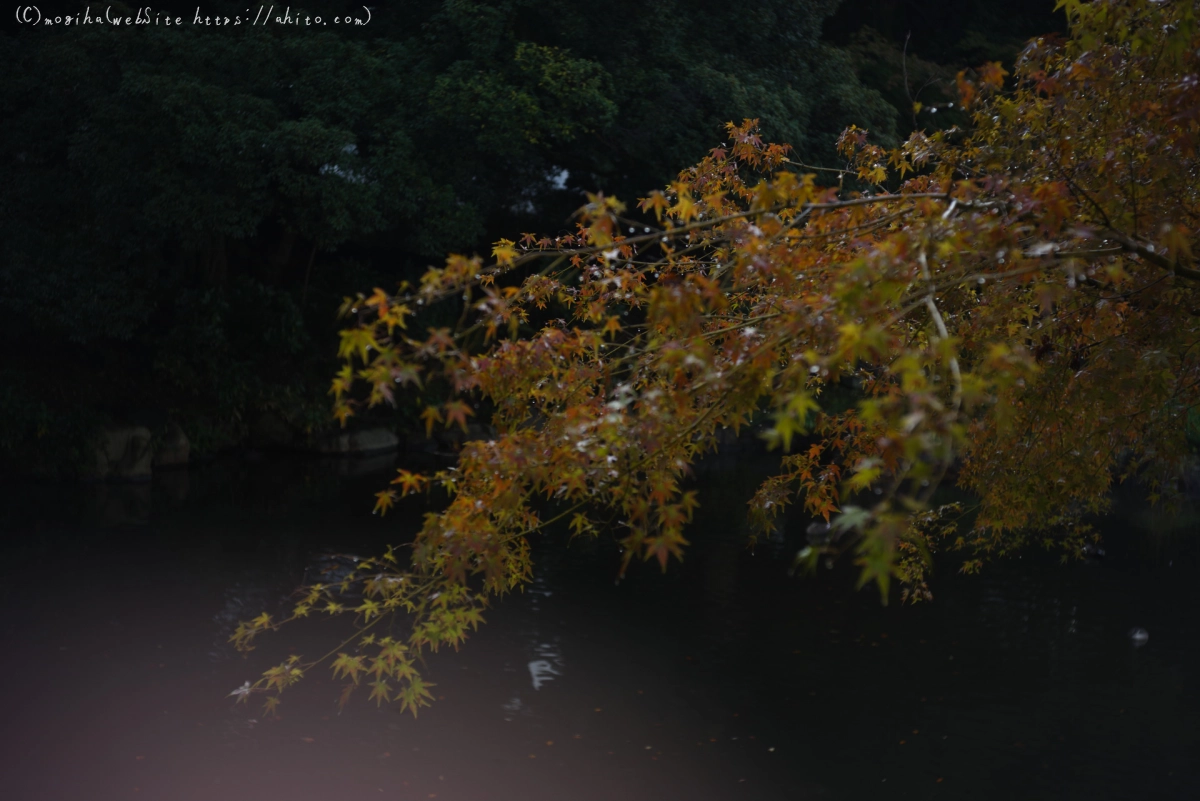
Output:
x=458 y=412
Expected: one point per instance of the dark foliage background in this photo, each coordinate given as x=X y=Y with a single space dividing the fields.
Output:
x=182 y=209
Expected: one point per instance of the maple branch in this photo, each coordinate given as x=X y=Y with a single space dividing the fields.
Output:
x=861 y=201
x=1076 y=254
x=1157 y=259
x=869 y=226
x=813 y=167
x=670 y=232
x=953 y=362
x=744 y=322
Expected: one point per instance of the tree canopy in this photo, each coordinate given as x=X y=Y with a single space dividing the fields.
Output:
x=1016 y=300
x=164 y=182
x=157 y=150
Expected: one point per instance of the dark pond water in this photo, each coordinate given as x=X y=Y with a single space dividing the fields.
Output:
x=723 y=679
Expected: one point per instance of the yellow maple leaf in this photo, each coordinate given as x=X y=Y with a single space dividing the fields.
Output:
x=384 y=500
x=504 y=252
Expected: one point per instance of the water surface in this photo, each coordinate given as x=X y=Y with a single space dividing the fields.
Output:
x=722 y=679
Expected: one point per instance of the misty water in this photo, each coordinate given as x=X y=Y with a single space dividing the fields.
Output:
x=722 y=679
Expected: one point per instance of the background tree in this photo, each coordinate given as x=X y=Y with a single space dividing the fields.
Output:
x=1019 y=297
x=164 y=185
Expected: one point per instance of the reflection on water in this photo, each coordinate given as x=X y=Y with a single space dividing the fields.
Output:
x=722 y=679
x=548 y=662
x=242 y=601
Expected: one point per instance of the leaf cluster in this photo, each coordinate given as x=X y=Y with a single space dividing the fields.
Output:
x=1019 y=306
